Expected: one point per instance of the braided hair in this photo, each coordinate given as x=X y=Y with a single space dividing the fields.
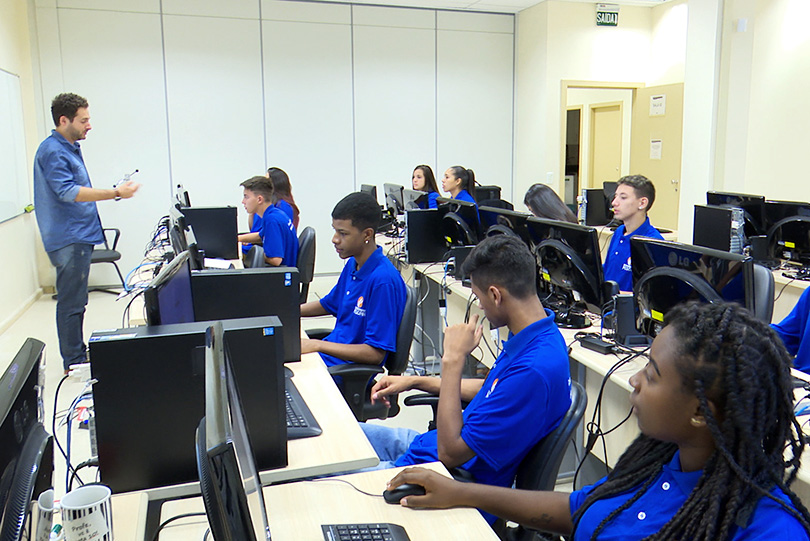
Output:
x=737 y=362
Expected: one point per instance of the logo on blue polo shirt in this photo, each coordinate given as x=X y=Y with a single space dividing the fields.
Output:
x=627 y=266
x=494 y=383
x=359 y=310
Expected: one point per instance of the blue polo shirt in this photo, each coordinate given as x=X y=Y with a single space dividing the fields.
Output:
x=431 y=201
x=278 y=237
x=794 y=331
x=255 y=227
x=368 y=304
x=662 y=500
x=617 y=263
x=59 y=172
x=524 y=397
x=464 y=195
x=287 y=209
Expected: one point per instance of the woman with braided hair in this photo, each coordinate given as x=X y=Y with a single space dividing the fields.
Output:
x=718 y=450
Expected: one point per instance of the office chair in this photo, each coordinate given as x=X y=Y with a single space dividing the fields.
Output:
x=538 y=469
x=763 y=293
x=255 y=257
x=306 y=260
x=108 y=255
x=497 y=203
x=356 y=377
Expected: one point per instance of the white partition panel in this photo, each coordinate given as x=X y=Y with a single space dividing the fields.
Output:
x=114 y=60
x=213 y=73
x=394 y=93
x=308 y=96
x=475 y=96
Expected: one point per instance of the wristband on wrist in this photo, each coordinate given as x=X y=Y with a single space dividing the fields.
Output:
x=117 y=195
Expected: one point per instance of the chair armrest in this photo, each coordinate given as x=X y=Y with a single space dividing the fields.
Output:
x=422 y=399
x=355 y=380
x=318 y=334
x=115 y=238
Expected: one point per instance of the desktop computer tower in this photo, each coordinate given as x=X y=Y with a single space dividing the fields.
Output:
x=150 y=397
x=263 y=291
x=594 y=207
x=423 y=236
x=720 y=228
x=214 y=229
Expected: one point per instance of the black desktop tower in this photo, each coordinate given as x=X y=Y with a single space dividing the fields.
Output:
x=263 y=291
x=215 y=230
x=423 y=236
x=150 y=397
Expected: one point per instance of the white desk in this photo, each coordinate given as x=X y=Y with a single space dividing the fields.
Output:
x=296 y=511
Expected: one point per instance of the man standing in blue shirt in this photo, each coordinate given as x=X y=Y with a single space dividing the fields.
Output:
x=277 y=233
x=524 y=396
x=369 y=297
x=68 y=220
x=634 y=197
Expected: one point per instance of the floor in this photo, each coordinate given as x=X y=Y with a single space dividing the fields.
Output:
x=106 y=311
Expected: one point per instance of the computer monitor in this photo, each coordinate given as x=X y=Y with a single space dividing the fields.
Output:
x=26 y=451
x=229 y=482
x=459 y=222
x=369 y=189
x=609 y=188
x=414 y=199
x=483 y=193
x=215 y=229
x=668 y=273
x=496 y=221
x=394 y=201
x=262 y=291
x=789 y=239
x=752 y=205
x=776 y=211
x=424 y=242
x=150 y=397
x=168 y=298
x=569 y=268
x=196 y=256
x=598 y=210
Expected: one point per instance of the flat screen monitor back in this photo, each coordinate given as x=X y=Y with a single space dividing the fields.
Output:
x=263 y=291
x=150 y=397
x=215 y=230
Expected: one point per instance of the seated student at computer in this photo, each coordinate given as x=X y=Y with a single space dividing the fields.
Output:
x=459 y=183
x=524 y=396
x=543 y=202
x=282 y=198
x=277 y=233
x=424 y=181
x=634 y=197
x=719 y=446
x=369 y=297
x=794 y=331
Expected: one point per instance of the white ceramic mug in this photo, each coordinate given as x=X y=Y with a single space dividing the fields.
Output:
x=44 y=516
x=87 y=514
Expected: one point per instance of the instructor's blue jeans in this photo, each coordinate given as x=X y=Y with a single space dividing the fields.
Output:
x=389 y=443
x=72 y=269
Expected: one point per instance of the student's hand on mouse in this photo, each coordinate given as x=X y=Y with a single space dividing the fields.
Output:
x=388 y=385
x=461 y=339
x=440 y=492
x=127 y=189
x=308 y=345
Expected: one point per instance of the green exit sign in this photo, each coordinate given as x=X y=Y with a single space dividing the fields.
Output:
x=607 y=15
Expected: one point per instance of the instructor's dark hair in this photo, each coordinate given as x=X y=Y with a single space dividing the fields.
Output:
x=504 y=261
x=726 y=356
x=361 y=208
x=66 y=105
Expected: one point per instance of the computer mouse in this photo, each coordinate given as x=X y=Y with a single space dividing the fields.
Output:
x=396 y=494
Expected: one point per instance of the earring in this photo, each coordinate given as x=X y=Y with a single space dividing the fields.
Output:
x=366 y=241
x=640 y=208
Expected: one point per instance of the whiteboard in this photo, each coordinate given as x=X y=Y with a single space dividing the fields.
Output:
x=14 y=192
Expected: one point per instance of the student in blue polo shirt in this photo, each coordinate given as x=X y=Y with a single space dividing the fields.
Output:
x=283 y=199
x=717 y=450
x=459 y=183
x=524 y=396
x=794 y=331
x=369 y=297
x=634 y=197
x=423 y=180
x=278 y=233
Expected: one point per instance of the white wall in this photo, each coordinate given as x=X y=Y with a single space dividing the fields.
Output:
x=209 y=94
x=18 y=239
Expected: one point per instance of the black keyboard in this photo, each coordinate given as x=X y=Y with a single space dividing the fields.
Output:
x=300 y=421
x=364 y=532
